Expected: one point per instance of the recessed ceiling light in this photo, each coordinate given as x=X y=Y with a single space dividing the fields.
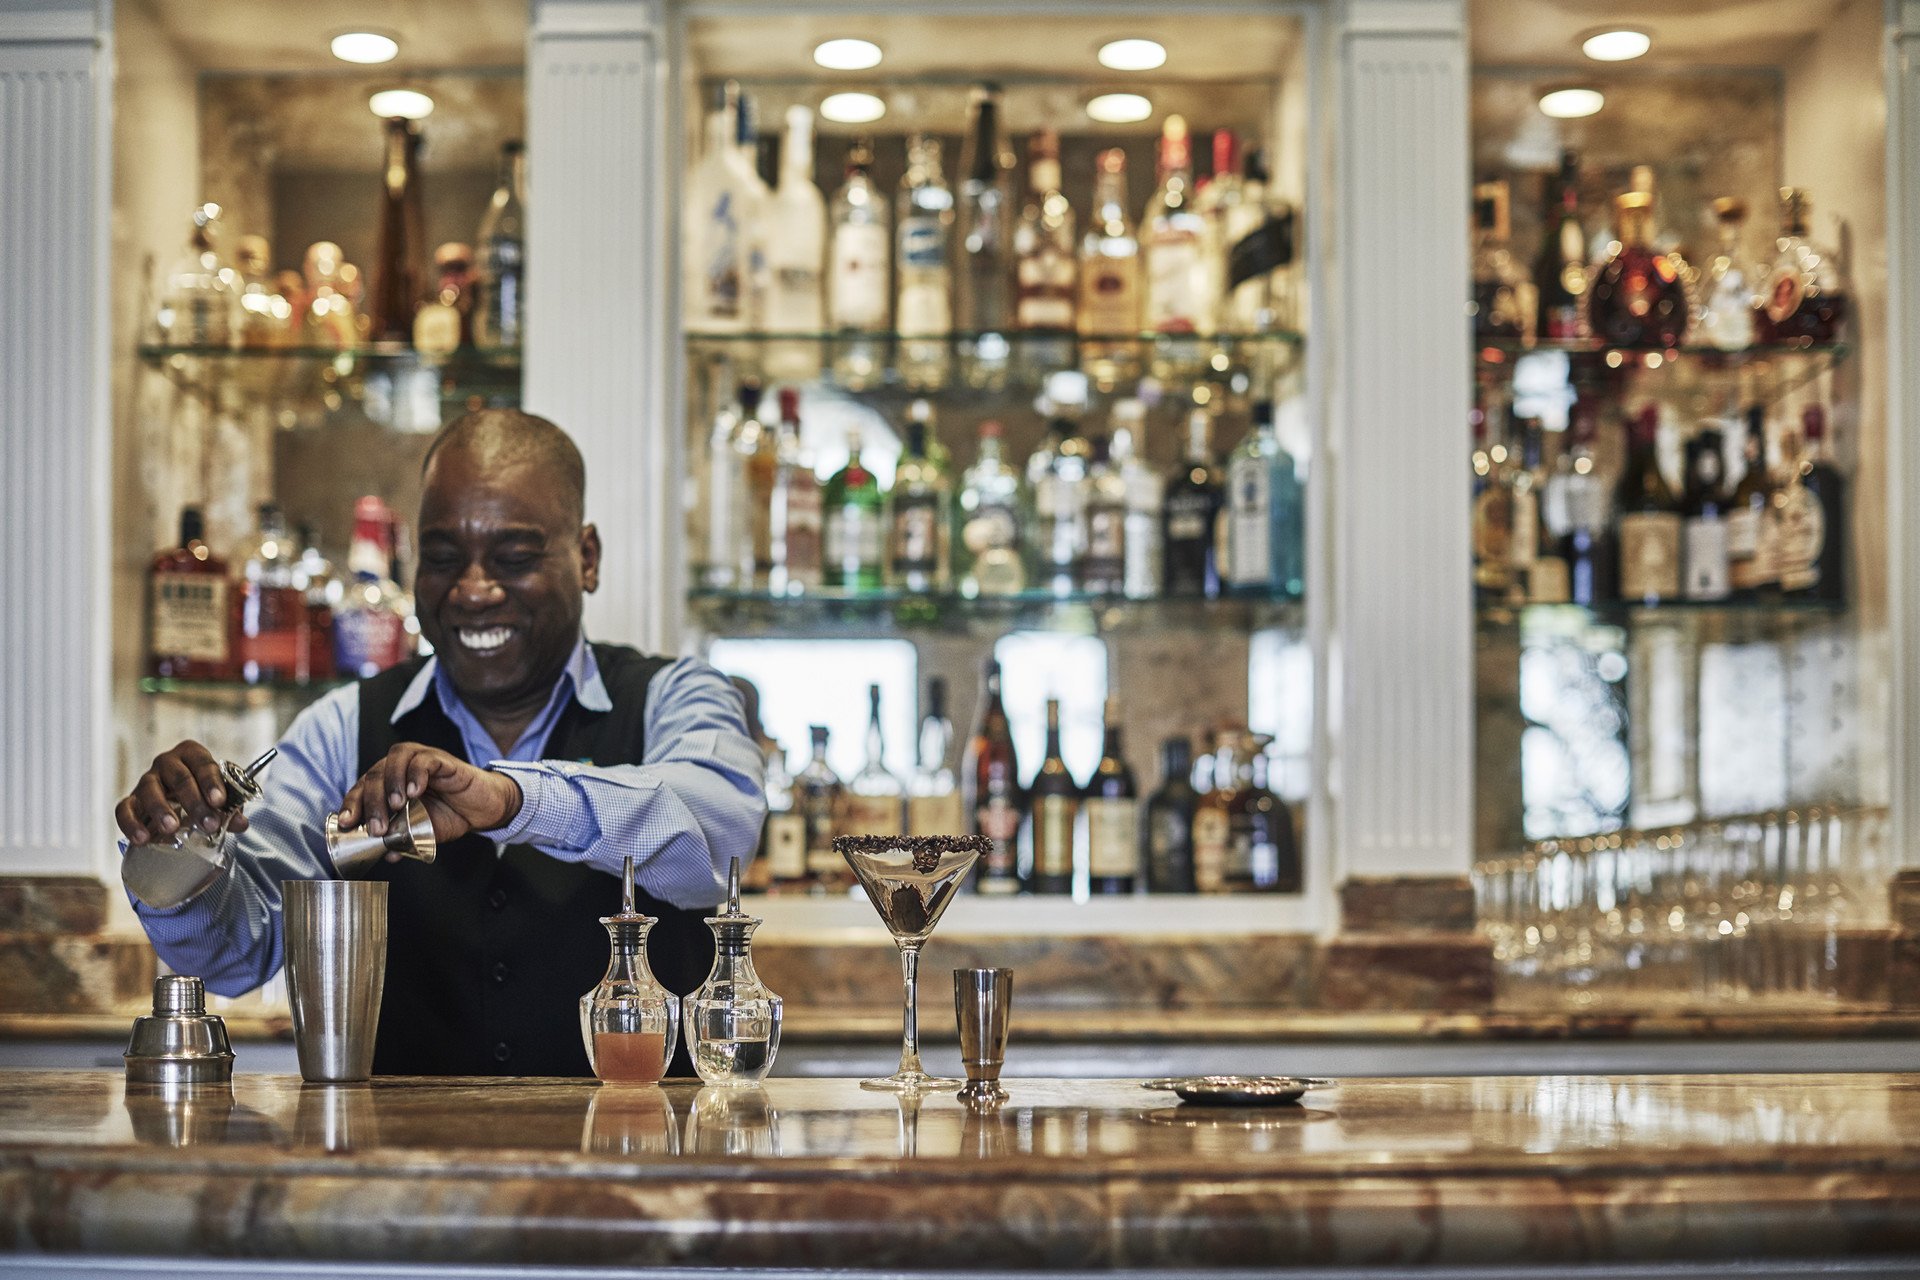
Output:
x=847 y=55
x=1572 y=104
x=402 y=104
x=1132 y=55
x=365 y=47
x=1119 y=108
x=852 y=108
x=1622 y=45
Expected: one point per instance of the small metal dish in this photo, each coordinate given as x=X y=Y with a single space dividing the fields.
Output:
x=1237 y=1091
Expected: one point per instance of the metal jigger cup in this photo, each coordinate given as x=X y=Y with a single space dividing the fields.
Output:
x=336 y=950
x=982 y=1001
x=355 y=849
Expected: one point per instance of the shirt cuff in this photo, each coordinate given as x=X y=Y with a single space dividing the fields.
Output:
x=548 y=807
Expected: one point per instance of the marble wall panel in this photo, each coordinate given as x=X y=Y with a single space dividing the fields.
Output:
x=52 y=904
x=73 y=975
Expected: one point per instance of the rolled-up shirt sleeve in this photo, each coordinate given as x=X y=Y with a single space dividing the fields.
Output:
x=696 y=801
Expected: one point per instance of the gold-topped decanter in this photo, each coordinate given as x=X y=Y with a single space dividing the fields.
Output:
x=733 y=1021
x=629 y=1021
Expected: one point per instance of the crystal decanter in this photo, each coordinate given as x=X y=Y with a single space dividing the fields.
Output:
x=629 y=1021
x=733 y=1021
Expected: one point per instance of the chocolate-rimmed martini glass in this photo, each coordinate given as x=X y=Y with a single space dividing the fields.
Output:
x=910 y=880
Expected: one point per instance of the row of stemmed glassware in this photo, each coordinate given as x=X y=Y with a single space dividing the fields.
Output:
x=1735 y=909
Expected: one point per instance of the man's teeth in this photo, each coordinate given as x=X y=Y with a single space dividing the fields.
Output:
x=486 y=640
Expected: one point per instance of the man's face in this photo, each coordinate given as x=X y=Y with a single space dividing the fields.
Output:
x=503 y=566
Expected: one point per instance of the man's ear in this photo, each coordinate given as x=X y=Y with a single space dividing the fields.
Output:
x=589 y=559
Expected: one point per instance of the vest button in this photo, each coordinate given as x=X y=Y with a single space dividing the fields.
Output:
x=502 y=1051
x=497 y=899
x=500 y=972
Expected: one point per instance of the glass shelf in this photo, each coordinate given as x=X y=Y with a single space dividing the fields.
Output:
x=466 y=379
x=238 y=690
x=751 y=613
x=1758 y=615
x=1769 y=372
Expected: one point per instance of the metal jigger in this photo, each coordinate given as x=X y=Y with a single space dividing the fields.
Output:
x=982 y=1000
x=357 y=849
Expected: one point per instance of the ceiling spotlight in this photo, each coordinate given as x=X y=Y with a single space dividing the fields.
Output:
x=402 y=104
x=1132 y=55
x=1119 y=108
x=365 y=47
x=852 y=108
x=1623 y=45
x=1572 y=104
x=847 y=55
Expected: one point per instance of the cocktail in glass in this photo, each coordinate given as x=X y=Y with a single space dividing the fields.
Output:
x=910 y=880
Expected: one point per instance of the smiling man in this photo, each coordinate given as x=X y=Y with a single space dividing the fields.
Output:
x=542 y=759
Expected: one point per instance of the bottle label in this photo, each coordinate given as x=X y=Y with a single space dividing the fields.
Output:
x=720 y=262
x=923 y=244
x=275 y=641
x=1649 y=555
x=1708 y=568
x=1750 y=548
x=1211 y=832
x=998 y=819
x=1053 y=836
x=1174 y=270
x=1799 y=536
x=1549 y=581
x=820 y=807
x=1045 y=279
x=787 y=845
x=991 y=527
x=1142 y=555
x=1265 y=249
x=858 y=276
x=1250 y=497
x=1190 y=518
x=190 y=616
x=803 y=534
x=916 y=534
x=1169 y=849
x=1523 y=539
x=1107 y=536
x=853 y=539
x=1785 y=290
x=939 y=815
x=1110 y=296
x=1113 y=836
x=869 y=815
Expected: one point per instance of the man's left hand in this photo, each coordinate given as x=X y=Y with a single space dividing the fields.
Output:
x=458 y=796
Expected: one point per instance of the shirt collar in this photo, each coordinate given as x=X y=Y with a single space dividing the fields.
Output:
x=582 y=674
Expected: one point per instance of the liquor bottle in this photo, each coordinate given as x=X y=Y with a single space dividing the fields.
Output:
x=402 y=237
x=1217 y=198
x=933 y=794
x=1110 y=291
x=443 y=323
x=1262 y=854
x=1637 y=299
x=1103 y=565
x=1705 y=549
x=1723 y=317
x=1494 y=461
x=1803 y=298
x=1750 y=549
x=796 y=250
x=271 y=642
x=1265 y=513
x=1173 y=237
x=1560 y=271
x=500 y=309
x=855 y=526
x=794 y=513
x=1194 y=495
x=1546 y=569
x=1649 y=518
x=754 y=214
x=320 y=592
x=1043 y=251
x=783 y=840
x=983 y=283
x=1588 y=547
x=189 y=609
x=718 y=197
x=1057 y=478
x=857 y=272
x=265 y=317
x=1167 y=835
x=1055 y=801
x=370 y=626
x=1212 y=829
x=1497 y=279
x=923 y=229
x=920 y=554
x=757 y=442
x=1113 y=816
x=200 y=294
x=816 y=794
x=1260 y=255
x=1145 y=499
x=1812 y=518
x=873 y=802
x=988 y=548
x=328 y=316
x=991 y=778
x=728 y=541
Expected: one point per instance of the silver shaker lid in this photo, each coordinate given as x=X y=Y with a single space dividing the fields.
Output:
x=180 y=1042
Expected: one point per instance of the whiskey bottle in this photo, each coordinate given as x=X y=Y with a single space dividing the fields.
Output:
x=1812 y=519
x=1262 y=854
x=816 y=793
x=873 y=803
x=1113 y=815
x=1043 y=250
x=1750 y=542
x=783 y=840
x=1212 y=830
x=988 y=548
x=189 y=608
x=1804 y=297
x=271 y=642
x=993 y=799
x=1560 y=270
x=396 y=279
x=855 y=526
x=923 y=228
x=1705 y=547
x=857 y=272
x=933 y=794
x=1649 y=518
x=1637 y=299
x=1173 y=235
x=1110 y=290
x=1167 y=835
x=1052 y=823
x=1188 y=517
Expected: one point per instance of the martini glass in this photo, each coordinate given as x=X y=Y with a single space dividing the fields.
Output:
x=910 y=880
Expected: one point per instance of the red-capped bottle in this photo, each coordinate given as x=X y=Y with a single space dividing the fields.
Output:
x=370 y=626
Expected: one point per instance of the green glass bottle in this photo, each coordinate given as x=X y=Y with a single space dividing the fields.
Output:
x=856 y=525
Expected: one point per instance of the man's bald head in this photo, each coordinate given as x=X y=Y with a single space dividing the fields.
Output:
x=507 y=437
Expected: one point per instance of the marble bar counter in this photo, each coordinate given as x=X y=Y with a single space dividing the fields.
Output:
x=1644 y=1175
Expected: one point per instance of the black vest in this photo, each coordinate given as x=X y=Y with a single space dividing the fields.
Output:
x=488 y=954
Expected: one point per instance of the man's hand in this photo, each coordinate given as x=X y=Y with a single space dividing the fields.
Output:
x=188 y=777
x=459 y=797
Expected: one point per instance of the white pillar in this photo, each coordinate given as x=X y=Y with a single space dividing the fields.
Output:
x=1903 y=415
x=601 y=302
x=54 y=480
x=1403 y=621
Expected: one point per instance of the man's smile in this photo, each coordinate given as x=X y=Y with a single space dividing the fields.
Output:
x=484 y=640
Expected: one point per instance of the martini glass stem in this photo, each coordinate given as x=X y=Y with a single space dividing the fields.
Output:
x=910 y=1015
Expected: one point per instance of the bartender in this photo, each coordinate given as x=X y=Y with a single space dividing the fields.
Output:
x=541 y=758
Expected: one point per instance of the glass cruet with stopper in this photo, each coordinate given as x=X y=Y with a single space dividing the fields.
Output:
x=629 y=1021
x=733 y=1021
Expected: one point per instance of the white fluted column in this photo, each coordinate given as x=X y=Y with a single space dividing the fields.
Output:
x=1903 y=415
x=54 y=517
x=1403 y=625
x=601 y=301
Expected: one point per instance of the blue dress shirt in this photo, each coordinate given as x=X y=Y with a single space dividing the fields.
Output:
x=695 y=802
